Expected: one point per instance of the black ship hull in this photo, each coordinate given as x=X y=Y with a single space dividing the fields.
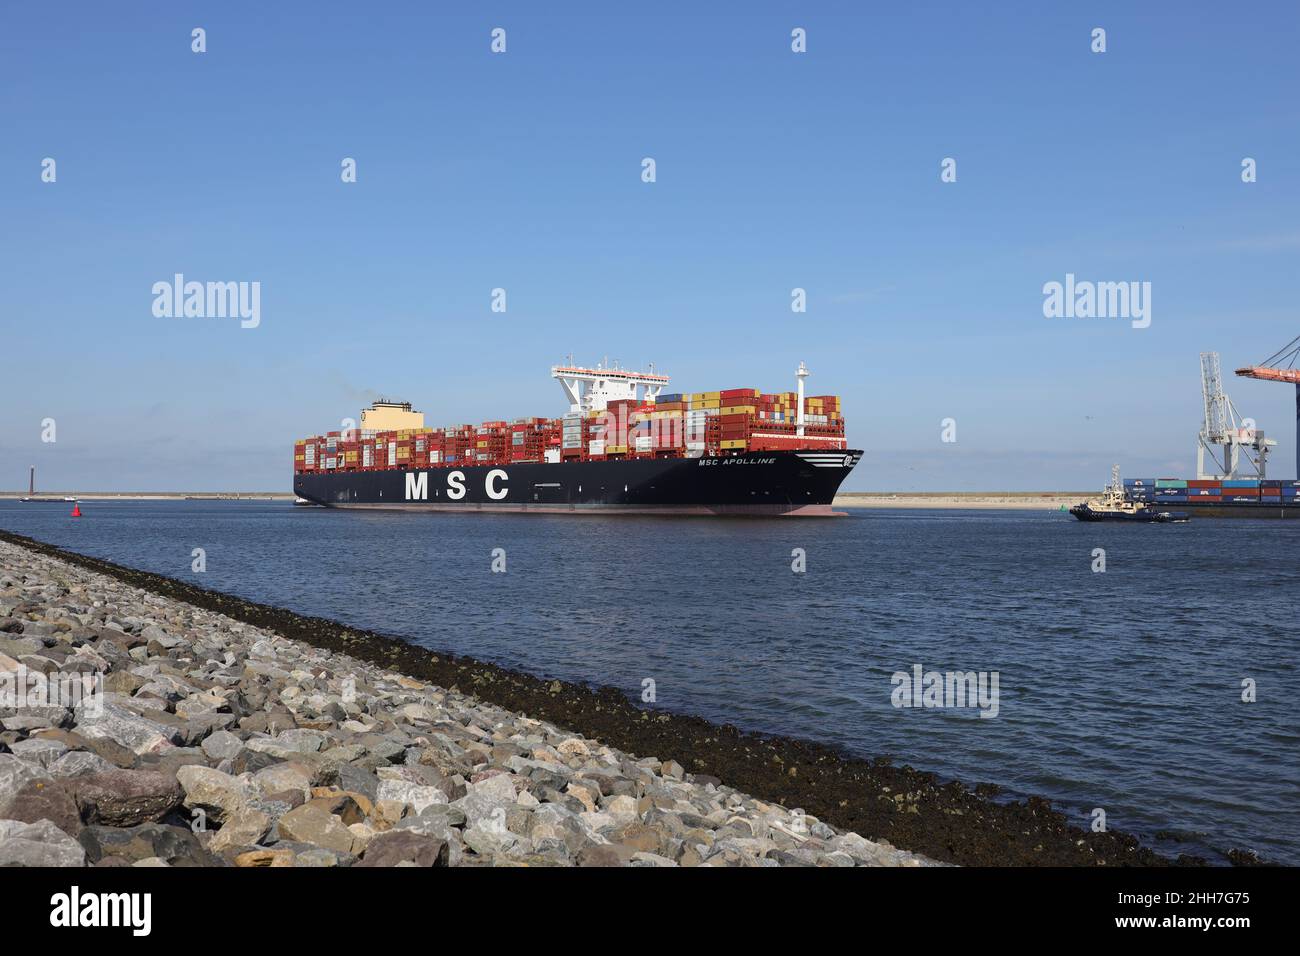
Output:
x=1246 y=509
x=756 y=483
x=1142 y=516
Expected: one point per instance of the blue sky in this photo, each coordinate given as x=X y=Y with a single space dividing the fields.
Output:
x=523 y=171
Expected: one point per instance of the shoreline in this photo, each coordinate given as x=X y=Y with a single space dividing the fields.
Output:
x=155 y=495
x=140 y=730
x=921 y=500
x=895 y=805
x=956 y=501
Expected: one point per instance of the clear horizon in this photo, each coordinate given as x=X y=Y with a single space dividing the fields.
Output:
x=522 y=171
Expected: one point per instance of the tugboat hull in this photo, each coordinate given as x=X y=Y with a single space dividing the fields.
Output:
x=1142 y=516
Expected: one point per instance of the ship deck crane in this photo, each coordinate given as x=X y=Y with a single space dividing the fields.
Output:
x=1280 y=367
x=1221 y=429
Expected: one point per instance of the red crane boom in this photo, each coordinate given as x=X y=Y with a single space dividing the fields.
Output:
x=1280 y=367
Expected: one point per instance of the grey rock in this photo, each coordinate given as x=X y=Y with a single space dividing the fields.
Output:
x=77 y=763
x=177 y=845
x=482 y=798
x=491 y=837
x=124 y=727
x=411 y=795
x=288 y=744
x=284 y=776
x=222 y=745
x=15 y=774
x=358 y=780
x=38 y=844
x=213 y=792
x=39 y=751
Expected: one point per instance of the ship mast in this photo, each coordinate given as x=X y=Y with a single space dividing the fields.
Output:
x=801 y=373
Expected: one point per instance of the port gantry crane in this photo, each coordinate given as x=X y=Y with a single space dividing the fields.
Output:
x=1280 y=367
x=1221 y=427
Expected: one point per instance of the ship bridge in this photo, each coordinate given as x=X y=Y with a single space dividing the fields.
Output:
x=592 y=389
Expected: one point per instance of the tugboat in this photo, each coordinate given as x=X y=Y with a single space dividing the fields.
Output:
x=1114 y=505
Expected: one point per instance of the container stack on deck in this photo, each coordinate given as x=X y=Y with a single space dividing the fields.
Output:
x=727 y=422
x=1212 y=490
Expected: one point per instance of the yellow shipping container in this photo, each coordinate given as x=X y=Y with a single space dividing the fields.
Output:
x=739 y=410
x=734 y=443
x=615 y=449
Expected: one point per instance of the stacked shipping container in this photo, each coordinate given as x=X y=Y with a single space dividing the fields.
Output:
x=726 y=422
x=1212 y=490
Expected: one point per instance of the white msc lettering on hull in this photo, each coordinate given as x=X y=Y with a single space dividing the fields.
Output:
x=456 y=485
x=417 y=485
x=489 y=484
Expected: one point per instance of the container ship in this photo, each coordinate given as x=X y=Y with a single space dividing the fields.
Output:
x=624 y=447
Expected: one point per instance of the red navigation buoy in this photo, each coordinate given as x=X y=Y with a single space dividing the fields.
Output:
x=76 y=509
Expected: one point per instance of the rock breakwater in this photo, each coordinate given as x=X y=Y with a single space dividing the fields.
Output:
x=141 y=730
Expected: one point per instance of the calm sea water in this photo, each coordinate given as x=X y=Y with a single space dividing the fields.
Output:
x=1119 y=690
